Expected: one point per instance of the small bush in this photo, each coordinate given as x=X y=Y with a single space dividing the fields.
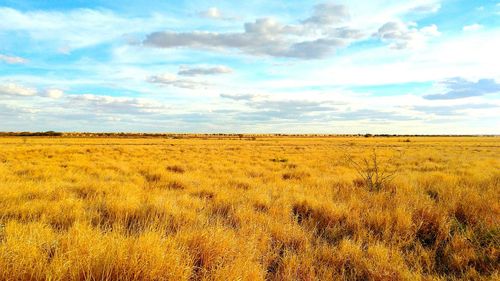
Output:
x=176 y=169
x=151 y=177
x=279 y=160
x=294 y=175
x=175 y=184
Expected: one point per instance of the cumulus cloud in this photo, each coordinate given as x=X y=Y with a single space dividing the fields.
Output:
x=345 y=33
x=313 y=49
x=213 y=70
x=458 y=88
x=251 y=42
x=472 y=27
x=12 y=59
x=328 y=13
x=12 y=89
x=405 y=36
x=172 y=80
x=313 y=38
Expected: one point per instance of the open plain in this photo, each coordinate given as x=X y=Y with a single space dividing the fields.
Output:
x=251 y=208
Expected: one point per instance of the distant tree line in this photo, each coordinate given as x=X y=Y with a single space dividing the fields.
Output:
x=32 y=134
x=203 y=136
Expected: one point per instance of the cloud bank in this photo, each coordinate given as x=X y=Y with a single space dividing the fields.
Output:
x=459 y=88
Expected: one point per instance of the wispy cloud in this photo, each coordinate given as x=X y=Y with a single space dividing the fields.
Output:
x=241 y=97
x=426 y=8
x=74 y=29
x=200 y=70
x=402 y=36
x=452 y=109
x=212 y=13
x=12 y=59
x=12 y=89
x=328 y=13
x=119 y=105
x=215 y=13
x=172 y=80
x=16 y=89
x=53 y=93
x=472 y=27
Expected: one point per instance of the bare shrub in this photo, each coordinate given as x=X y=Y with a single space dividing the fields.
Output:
x=374 y=173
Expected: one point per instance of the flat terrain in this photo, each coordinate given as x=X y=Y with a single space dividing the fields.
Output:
x=276 y=208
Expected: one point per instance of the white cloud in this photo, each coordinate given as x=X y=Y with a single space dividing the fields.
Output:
x=76 y=28
x=15 y=89
x=215 y=13
x=172 y=80
x=458 y=88
x=426 y=8
x=204 y=70
x=12 y=89
x=328 y=13
x=455 y=56
x=12 y=59
x=313 y=38
x=241 y=97
x=212 y=13
x=53 y=93
x=406 y=36
x=256 y=40
x=109 y=104
x=472 y=27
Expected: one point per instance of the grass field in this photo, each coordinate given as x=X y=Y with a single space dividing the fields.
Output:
x=275 y=208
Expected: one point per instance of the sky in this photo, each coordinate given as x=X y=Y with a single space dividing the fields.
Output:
x=339 y=67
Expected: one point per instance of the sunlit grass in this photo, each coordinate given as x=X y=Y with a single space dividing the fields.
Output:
x=271 y=208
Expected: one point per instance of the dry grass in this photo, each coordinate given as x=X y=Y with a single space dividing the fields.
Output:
x=272 y=208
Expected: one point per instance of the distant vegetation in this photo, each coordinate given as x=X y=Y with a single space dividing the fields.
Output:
x=193 y=207
x=32 y=134
x=215 y=135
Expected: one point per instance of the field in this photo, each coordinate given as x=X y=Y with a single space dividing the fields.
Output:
x=268 y=208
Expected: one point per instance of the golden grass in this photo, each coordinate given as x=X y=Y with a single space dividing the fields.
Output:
x=275 y=208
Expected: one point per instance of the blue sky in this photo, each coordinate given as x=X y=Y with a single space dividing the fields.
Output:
x=407 y=67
